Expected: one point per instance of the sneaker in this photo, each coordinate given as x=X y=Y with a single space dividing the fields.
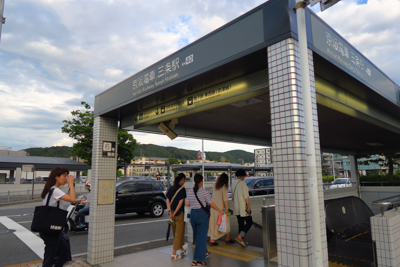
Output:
x=79 y=225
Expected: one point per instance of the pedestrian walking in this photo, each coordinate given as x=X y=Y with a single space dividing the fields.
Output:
x=241 y=206
x=197 y=199
x=219 y=198
x=175 y=203
x=57 y=249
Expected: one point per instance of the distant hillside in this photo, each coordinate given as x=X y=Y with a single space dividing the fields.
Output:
x=54 y=151
x=233 y=156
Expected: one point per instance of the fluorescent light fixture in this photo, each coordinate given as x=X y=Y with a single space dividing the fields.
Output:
x=374 y=144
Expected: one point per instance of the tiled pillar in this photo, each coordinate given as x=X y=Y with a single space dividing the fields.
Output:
x=386 y=235
x=293 y=220
x=102 y=204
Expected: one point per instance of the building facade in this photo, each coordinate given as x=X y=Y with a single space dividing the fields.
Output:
x=263 y=156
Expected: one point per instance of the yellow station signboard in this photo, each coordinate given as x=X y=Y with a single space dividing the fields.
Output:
x=202 y=99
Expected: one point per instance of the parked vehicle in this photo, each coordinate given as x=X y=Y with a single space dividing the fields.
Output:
x=134 y=177
x=258 y=186
x=140 y=196
x=341 y=182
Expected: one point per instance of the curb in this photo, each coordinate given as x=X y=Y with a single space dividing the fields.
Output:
x=19 y=202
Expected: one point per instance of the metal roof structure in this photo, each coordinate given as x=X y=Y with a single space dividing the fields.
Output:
x=218 y=88
x=41 y=163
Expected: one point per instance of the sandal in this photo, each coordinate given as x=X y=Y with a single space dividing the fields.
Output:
x=183 y=252
x=176 y=256
x=208 y=254
x=241 y=242
x=197 y=263
x=213 y=244
x=230 y=241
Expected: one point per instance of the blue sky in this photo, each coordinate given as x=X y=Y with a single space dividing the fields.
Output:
x=56 y=53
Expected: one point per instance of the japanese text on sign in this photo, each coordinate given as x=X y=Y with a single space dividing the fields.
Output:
x=159 y=76
x=339 y=49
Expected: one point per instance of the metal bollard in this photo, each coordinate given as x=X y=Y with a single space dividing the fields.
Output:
x=8 y=196
x=27 y=194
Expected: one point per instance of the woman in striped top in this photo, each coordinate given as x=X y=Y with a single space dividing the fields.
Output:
x=199 y=219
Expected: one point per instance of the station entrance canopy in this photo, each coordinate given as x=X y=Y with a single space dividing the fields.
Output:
x=218 y=89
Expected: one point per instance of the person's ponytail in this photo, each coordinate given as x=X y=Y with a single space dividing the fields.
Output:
x=197 y=179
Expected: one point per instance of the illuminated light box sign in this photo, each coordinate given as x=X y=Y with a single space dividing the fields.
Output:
x=204 y=97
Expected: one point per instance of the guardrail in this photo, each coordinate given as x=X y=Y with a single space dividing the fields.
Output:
x=335 y=186
x=13 y=196
x=380 y=183
x=386 y=202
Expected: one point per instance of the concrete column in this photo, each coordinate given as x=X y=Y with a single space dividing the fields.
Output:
x=102 y=205
x=292 y=200
x=11 y=180
x=18 y=175
x=89 y=175
x=354 y=175
x=78 y=176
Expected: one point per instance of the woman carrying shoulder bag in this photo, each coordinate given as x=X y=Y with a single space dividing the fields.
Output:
x=197 y=199
x=219 y=198
x=57 y=250
x=175 y=203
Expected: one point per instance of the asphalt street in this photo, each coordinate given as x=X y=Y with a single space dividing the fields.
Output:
x=129 y=229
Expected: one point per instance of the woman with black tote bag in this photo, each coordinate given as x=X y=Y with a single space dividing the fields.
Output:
x=57 y=250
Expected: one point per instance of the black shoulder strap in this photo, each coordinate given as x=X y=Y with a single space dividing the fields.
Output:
x=49 y=196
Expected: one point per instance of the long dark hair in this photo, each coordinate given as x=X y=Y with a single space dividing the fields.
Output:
x=178 y=179
x=57 y=171
x=222 y=181
x=197 y=179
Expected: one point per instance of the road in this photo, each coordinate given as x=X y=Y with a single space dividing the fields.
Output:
x=129 y=229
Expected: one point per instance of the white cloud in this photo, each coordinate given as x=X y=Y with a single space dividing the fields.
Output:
x=56 y=53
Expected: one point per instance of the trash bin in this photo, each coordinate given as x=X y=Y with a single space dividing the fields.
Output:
x=269 y=232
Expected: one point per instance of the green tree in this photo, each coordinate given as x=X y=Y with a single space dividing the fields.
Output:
x=173 y=161
x=80 y=128
x=387 y=160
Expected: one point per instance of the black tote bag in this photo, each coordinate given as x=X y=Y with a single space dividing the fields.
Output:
x=48 y=219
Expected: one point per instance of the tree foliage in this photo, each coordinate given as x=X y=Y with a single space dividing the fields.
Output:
x=386 y=160
x=80 y=128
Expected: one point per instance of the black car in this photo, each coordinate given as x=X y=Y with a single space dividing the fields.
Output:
x=258 y=186
x=140 y=196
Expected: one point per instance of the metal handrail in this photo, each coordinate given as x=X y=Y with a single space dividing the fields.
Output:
x=385 y=201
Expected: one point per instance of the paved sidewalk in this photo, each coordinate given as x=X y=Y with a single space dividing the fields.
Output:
x=221 y=256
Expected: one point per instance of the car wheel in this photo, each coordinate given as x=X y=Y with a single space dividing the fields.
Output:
x=157 y=210
x=140 y=212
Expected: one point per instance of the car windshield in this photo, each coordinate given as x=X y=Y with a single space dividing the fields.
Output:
x=340 y=181
x=250 y=182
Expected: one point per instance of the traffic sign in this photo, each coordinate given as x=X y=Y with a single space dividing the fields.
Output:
x=27 y=168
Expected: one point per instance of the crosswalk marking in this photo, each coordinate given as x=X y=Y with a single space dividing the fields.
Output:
x=34 y=242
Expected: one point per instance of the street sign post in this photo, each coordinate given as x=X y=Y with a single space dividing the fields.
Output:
x=30 y=168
